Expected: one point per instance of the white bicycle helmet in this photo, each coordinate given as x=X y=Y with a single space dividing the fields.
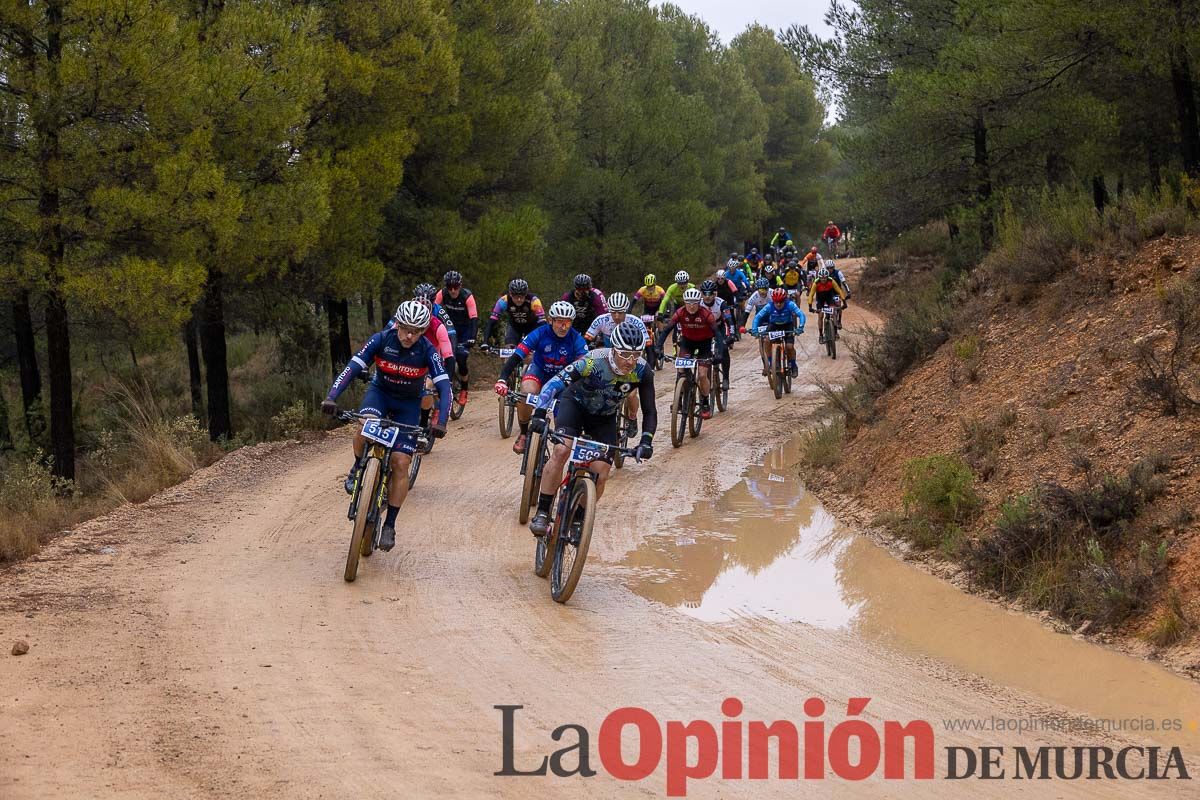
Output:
x=561 y=309
x=627 y=336
x=829 y=265
x=682 y=277
x=618 y=301
x=720 y=273
x=691 y=295
x=412 y=314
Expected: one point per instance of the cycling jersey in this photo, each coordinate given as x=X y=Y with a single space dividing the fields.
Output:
x=439 y=336
x=594 y=385
x=400 y=372
x=740 y=281
x=792 y=276
x=550 y=352
x=674 y=294
x=521 y=319
x=832 y=232
x=587 y=308
x=760 y=298
x=840 y=277
x=462 y=311
x=651 y=297
x=781 y=239
x=697 y=327
x=823 y=291
x=603 y=325
x=776 y=317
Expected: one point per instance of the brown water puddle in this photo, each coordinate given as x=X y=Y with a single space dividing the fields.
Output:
x=767 y=549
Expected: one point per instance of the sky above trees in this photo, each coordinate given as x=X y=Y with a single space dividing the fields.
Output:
x=729 y=19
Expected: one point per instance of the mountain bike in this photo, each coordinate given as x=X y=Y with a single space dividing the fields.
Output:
x=654 y=355
x=561 y=553
x=685 y=407
x=506 y=406
x=368 y=501
x=425 y=440
x=779 y=376
x=531 y=463
x=718 y=390
x=829 y=328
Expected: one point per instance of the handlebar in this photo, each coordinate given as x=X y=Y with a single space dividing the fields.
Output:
x=347 y=416
x=558 y=437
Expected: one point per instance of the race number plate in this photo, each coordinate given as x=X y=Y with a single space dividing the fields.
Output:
x=685 y=363
x=505 y=352
x=584 y=451
x=828 y=309
x=377 y=433
x=777 y=478
x=773 y=335
x=648 y=319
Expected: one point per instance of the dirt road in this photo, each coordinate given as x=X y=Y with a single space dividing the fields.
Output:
x=204 y=644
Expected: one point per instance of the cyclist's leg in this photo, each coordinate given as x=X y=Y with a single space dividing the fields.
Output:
x=531 y=383
x=603 y=430
x=406 y=412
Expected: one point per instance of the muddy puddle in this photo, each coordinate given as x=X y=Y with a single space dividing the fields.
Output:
x=767 y=549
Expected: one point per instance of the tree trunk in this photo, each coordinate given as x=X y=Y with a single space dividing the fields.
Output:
x=983 y=182
x=191 y=339
x=1099 y=193
x=337 y=314
x=27 y=365
x=6 y=442
x=212 y=345
x=371 y=312
x=53 y=250
x=1185 y=107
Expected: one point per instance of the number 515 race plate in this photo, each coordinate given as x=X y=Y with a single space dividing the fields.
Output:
x=377 y=433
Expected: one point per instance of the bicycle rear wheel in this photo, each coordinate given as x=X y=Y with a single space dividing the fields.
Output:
x=720 y=392
x=693 y=407
x=414 y=466
x=622 y=441
x=533 y=472
x=571 y=549
x=456 y=408
x=368 y=489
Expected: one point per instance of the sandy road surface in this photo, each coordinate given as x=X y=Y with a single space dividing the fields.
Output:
x=204 y=643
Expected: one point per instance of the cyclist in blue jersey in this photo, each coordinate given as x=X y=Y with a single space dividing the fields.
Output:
x=403 y=359
x=590 y=392
x=552 y=346
x=781 y=315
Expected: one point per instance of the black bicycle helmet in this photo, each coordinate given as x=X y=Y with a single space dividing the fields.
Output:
x=708 y=287
x=425 y=291
x=452 y=278
x=762 y=283
x=627 y=336
x=518 y=286
x=583 y=281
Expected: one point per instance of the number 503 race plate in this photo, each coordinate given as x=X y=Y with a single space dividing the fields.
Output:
x=583 y=451
x=377 y=433
x=773 y=335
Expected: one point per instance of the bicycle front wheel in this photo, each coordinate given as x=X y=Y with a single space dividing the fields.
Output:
x=693 y=407
x=830 y=337
x=778 y=369
x=679 y=414
x=533 y=472
x=571 y=548
x=368 y=489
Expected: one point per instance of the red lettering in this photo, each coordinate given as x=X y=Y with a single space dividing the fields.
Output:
x=894 y=735
x=649 y=743
x=787 y=742
x=678 y=768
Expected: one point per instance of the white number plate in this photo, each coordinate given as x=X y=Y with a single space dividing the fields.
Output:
x=505 y=352
x=584 y=451
x=648 y=319
x=828 y=310
x=773 y=335
x=531 y=399
x=777 y=478
x=685 y=363
x=377 y=433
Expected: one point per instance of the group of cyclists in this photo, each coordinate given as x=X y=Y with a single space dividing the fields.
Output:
x=587 y=356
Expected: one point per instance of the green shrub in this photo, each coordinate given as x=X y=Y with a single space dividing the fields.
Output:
x=940 y=489
x=1052 y=546
x=822 y=445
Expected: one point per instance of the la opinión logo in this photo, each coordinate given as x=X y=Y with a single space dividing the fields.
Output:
x=853 y=750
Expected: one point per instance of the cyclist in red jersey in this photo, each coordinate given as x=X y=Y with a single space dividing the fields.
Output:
x=701 y=334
